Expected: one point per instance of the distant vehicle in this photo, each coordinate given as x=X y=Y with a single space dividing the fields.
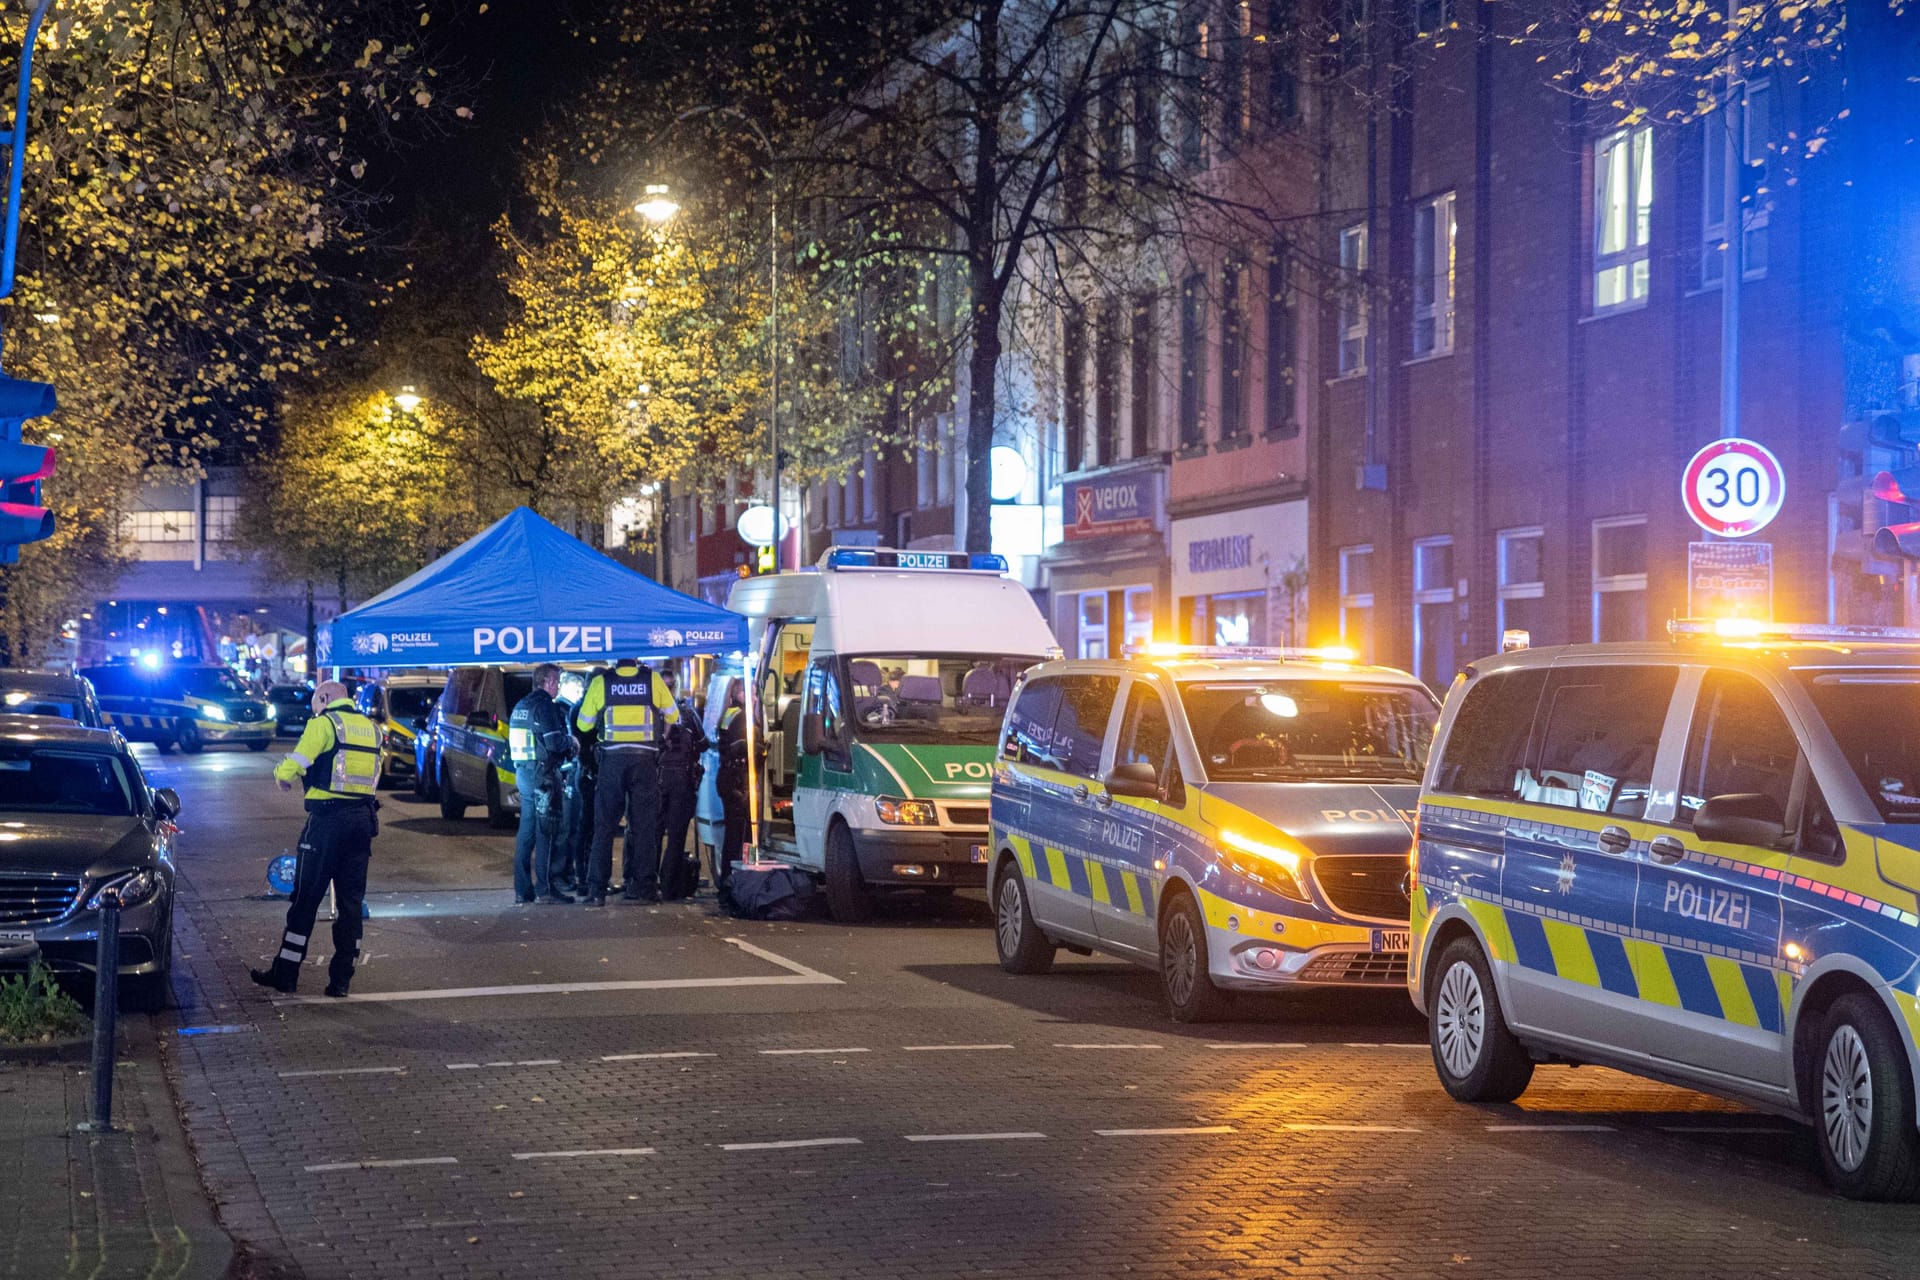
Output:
x=1237 y=819
x=400 y=705
x=292 y=706
x=80 y=819
x=469 y=730
x=187 y=705
x=54 y=694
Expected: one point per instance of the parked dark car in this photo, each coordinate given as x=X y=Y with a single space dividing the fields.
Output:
x=79 y=818
x=293 y=705
x=56 y=694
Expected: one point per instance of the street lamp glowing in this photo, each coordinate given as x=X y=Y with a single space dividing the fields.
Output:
x=659 y=204
x=408 y=399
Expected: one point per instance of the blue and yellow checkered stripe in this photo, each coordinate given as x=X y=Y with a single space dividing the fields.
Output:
x=1081 y=875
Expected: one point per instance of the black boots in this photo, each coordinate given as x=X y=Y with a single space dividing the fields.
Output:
x=282 y=977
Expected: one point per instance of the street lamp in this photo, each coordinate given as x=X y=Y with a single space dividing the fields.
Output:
x=408 y=399
x=658 y=205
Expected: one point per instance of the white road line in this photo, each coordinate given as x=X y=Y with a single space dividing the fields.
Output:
x=1109 y=1046
x=1549 y=1128
x=791 y=966
x=951 y=1048
x=1723 y=1128
x=1384 y=1044
x=1161 y=1133
x=523 y=1062
x=1255 y=1045
x=564 y=988
x=647 y=1057
x=1351 y=1128
x=783 y=1146
x=578 y=1155
x=379 y=1164
x=971 y=1137
x=345 y=1071
x=775 y=1053
x=463 y=1066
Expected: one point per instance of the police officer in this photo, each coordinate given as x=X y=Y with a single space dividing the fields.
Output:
x=732 y=785
x=681 y=748
x=338 y=758
x=630 y=706
x=538 y=739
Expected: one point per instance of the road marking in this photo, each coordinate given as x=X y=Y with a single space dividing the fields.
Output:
x=1161 y=1133
x=783 y=1146
x=791 y=966
x=788 y=1052
x=646 y=1057
x=951 y=1048
x=345 y=1071
x=1549 y=1128
x=1255 y=1045
x=1385 y=1044
x=971 y=1137
x=524 y=1062
x=1108 y=1046
x=379 y=1164
x=1350 y=1128
x=1723 y=1128
x=578 y=1155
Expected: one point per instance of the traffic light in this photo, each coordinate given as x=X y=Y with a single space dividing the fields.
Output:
x=1899 y=487
x=22 y=466
x=763 y=559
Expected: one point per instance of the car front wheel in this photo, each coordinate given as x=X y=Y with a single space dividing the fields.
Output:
x=451 y=805
x=187 y=737
x=1184 y=965
x=1477 y=1057
x=1864 y=1094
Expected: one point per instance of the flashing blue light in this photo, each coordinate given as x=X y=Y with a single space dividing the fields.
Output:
x=988 y=561
x=151 y=661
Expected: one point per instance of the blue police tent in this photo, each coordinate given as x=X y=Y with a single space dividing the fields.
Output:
x=525 y=591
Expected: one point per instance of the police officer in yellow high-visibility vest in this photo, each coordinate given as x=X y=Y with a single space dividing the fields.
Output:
x=631 y=707
x=338 y=758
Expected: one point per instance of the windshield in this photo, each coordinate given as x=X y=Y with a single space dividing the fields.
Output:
x=1875 y=717
x=213 y=682
x=407 y=703
x=289 y=695
x=53 y=780
x=24 y=702
x=1309 y=729
x=931 y=697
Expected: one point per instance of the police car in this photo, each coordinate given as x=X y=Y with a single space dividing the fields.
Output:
x=185 y=705
x=1236 y=818
x=1698 y=861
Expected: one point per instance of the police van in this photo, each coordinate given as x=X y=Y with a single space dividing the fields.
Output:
x=185 y=705
x=881 y=677
x=1238 y=819
x=1698 y=861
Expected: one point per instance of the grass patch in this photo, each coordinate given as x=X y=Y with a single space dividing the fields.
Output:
x=34 y=1010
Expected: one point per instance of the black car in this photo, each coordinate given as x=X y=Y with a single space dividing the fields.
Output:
x=77 y=818
x=57 y=694
x=293 y=706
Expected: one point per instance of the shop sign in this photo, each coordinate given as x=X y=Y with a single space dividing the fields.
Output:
x=1111 y=505
x=1730 y=580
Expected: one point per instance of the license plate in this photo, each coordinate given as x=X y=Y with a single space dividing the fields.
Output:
x=1393 y=939
x=978 y=853
x=16 y=935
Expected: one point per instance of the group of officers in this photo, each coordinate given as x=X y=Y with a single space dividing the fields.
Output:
x=631 y=750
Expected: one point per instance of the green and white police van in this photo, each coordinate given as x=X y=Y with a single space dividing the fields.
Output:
x=881 y=680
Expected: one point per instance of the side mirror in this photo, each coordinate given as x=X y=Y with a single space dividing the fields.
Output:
x=1138 y=780
x=167 y=801
x=813 y=733
x=1747 y=818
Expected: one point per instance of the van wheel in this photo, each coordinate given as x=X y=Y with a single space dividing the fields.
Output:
x=1022 y=947
x=451 y=805
x=1865 y=1122
x=1184 y=973
x=187 y=737
x=848 y=898
x=497 y=814
x=1477 y=1058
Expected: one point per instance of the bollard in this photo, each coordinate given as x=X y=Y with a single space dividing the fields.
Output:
x=106 y=1009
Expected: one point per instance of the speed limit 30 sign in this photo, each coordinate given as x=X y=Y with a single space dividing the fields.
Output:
x=1733 y=487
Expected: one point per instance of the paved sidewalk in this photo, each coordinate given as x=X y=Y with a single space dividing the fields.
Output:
x=128 y=1203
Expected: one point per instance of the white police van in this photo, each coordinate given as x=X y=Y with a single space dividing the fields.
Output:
x=1697 y=861
x=1236 y=818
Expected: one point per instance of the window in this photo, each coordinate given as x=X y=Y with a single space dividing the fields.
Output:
x=1193 y=359
x=1872 y=714
x=1136 y=627
x=1740 y=745
x=1080 y=728
x=947 y=474
x=1110 y=126
x=1140 y=358
x=1146 y=737
x=1751 y=120
x=1521 y=594
x=1193 y=96
x=1233 y=351
x=1146 y=109
x=1487 y=748
x=1236 y=69
x=221 y=514
x=1353 y=299
x=1436 y=619
x=1622 y=216
x=926 y=461
x=1279 y=352
x=1283 y=82
x=823 y=696
x=1434 y=233
x=1093 y=624
x=1600 y=729
x=159 y=526
x=1350 y=31
x=870 y=487
x=1620 y=578
x=1299 y=730
x=1356 y=598
x=1106 y=385
x=1073 y=384
x=1030 y=719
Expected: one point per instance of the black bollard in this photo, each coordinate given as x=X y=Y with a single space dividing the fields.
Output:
x=106 y=1009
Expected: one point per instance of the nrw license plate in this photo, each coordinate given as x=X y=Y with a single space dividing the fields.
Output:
x=1392 y=939
x=978 y=853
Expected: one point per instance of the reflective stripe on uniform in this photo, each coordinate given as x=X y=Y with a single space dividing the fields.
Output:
x=520 y=745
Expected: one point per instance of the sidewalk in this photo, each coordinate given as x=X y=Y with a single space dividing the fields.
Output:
x=127 y=1203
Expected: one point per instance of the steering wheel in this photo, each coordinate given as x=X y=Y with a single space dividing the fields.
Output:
x=1255 y=746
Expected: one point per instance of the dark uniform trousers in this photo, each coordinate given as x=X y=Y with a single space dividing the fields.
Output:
x=533 y=844
x=629 y=783
x=733 y=805
x=335 y=849
x=679 y=788
x=569 y=868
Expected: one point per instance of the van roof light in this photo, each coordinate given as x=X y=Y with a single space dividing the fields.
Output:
x=1761 y=629
x=1514 y=639
x=1243 y=653
x=845 y=558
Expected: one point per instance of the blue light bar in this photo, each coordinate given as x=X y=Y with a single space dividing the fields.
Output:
x=889 y=558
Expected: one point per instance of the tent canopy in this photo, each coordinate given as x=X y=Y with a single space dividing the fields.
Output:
x=526 y=591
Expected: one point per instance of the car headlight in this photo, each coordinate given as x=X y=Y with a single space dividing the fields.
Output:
x=907 y=813
x=273 y=712
x=1266 y=864
x=211 y=712
x=135 y=887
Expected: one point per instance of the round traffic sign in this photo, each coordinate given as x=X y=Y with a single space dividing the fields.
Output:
x=1733 y=487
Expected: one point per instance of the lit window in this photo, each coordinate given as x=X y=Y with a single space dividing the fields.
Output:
x=1353 y=299
x=1620 y=578
x=159 y=526
x=1521 y=597
x=1434 y=233
x=1356 y=599
x=1751 y=118
x=222 y=512
x=1623 y=216
x=1436 y=619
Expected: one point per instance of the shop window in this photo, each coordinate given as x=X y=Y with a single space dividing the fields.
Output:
x=1093 y=624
